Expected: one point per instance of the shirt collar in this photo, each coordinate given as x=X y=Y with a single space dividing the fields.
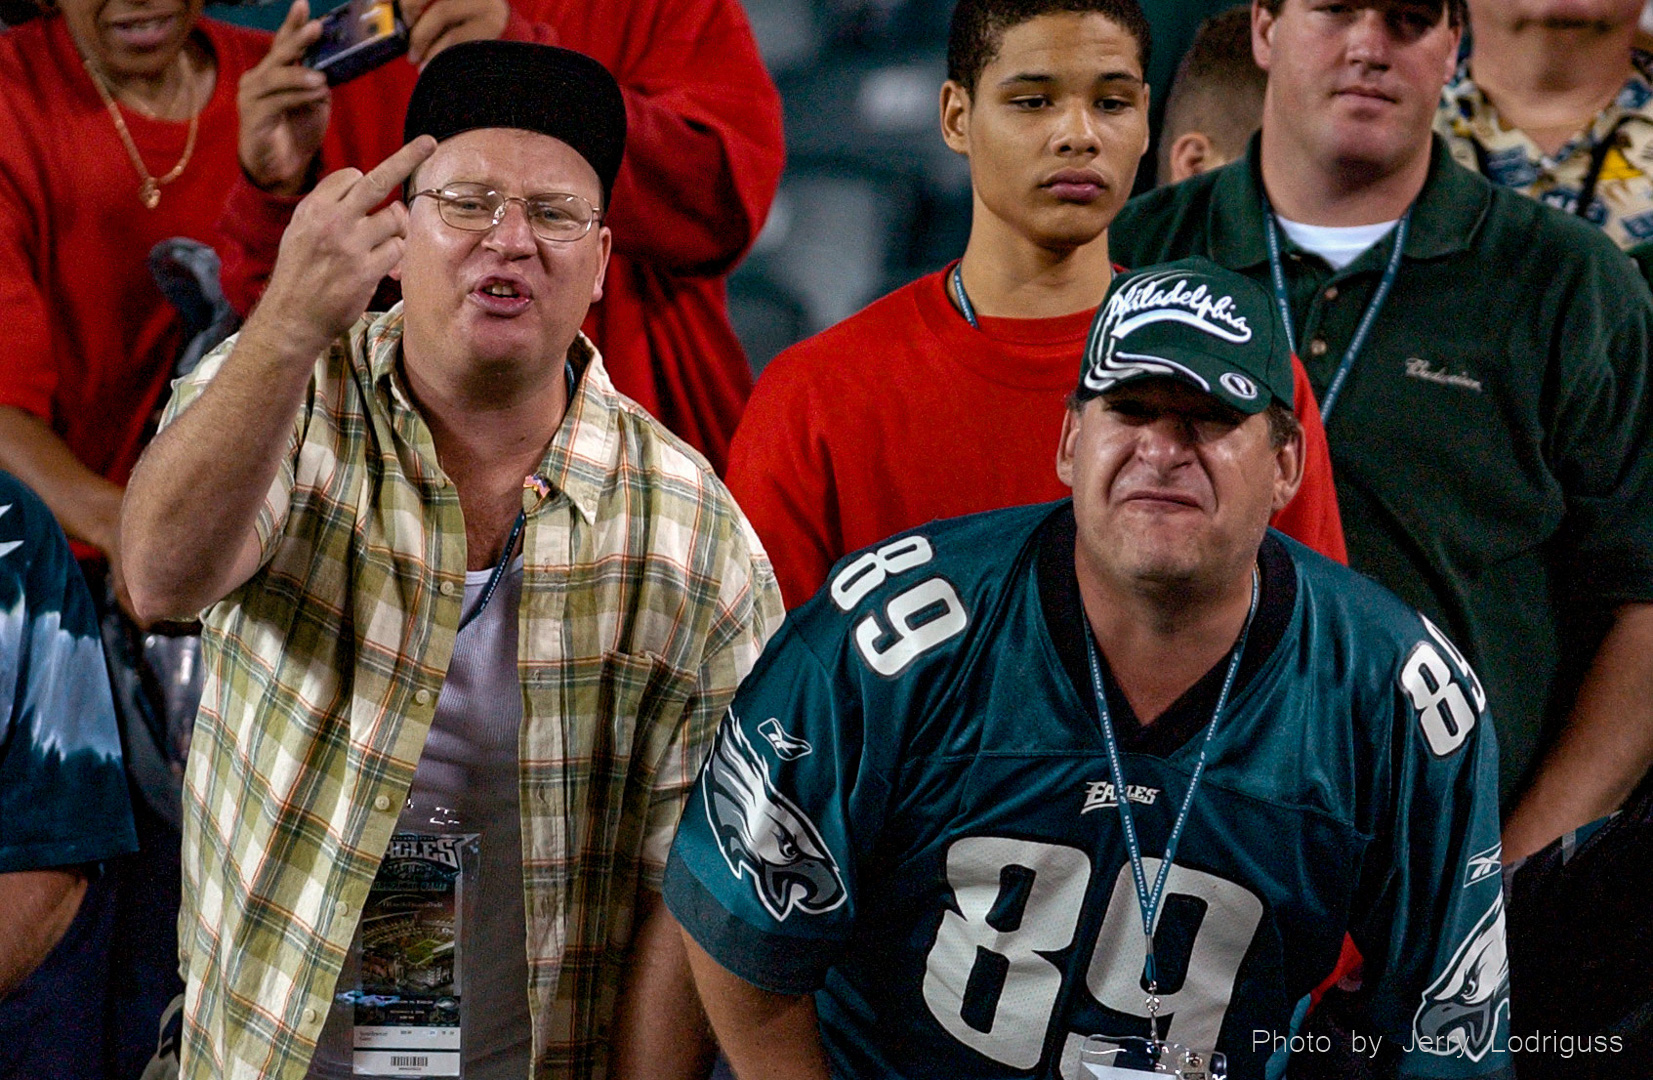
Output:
x=1463 y=101
x=1449 y=210
x=581 y=457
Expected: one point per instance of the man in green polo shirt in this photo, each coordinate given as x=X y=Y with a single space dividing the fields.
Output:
x=1487 y=397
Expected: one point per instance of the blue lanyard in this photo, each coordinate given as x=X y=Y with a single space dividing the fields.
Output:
x=965 y=309
x=1356 y=343
x=1148 y=900
x=499 y=571
x=494 y=578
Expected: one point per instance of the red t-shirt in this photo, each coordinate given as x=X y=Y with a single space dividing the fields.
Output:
x=704 y=151
x=90 y=340
x=903 y=413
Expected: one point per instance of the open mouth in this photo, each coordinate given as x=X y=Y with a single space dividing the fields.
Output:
x=142 y=34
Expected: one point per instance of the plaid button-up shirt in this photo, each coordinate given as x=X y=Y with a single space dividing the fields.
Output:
x=645 y=598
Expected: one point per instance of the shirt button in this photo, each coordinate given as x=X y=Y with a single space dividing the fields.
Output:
x=1331 y=292
x=447 y=588
x=1317 y=347
x=309 y=1016
x=423 y=696
x=340 y=909
x=382 y=803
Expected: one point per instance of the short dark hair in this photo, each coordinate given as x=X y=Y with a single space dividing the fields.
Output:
x=1218 y=90
x=1457 y=10
x=1283 y=425
x=979 y=26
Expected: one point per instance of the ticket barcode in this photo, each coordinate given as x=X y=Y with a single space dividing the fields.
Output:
x=401 y=1062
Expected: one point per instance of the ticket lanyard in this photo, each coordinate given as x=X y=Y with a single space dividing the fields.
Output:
x=534 y=482
x=965 y=309
x=499 y=571
x=1356 y=343
x=1148 y=900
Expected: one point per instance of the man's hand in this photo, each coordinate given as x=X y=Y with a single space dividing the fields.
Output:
x=284 y=108
x=337 y=249
x=436 y=24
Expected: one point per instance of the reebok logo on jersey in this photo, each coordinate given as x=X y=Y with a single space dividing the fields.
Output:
x=1459 y=1014
x=787 y=747
x=1484 y=864
x=762 y=834
x=1100 y=794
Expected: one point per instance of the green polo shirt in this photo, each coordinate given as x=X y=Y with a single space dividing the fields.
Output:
x=1491 y=444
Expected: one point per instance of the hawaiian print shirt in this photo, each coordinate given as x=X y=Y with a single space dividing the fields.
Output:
x=1623 y=133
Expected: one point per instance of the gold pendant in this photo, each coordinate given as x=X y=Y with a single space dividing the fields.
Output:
x=150 y=193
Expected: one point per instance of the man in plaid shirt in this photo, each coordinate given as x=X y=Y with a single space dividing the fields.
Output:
x=348 y=494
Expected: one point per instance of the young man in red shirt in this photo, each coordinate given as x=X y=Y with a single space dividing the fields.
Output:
x=946 y=397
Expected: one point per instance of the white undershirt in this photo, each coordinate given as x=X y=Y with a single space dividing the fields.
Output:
x=1339 y=245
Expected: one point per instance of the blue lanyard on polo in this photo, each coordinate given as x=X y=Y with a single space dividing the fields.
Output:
x=1282 y=298
x=1148 y=900
x=965 y=309
x=517 y=526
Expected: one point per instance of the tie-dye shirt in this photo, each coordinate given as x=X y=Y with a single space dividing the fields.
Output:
x=63 y=798
x=1622 y=205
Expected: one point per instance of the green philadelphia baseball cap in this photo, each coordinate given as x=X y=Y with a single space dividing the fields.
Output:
x=1192 y=320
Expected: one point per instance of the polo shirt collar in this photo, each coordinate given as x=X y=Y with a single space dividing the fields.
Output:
x=1449 y=211
x=582 y=456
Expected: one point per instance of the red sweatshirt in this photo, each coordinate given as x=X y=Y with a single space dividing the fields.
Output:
x=90 y=339
x=704 y=151
x=903 y=413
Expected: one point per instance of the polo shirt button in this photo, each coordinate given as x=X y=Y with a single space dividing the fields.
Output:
x=1331 y=294
x=309 y=1016
x=1317 y=347
x=382 y=802
x=423 y=696
x=447 y=588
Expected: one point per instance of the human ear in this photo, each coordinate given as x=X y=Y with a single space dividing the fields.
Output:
x=1262 y=34
x=1192 y=154
x=955 y=117
x=1067 y=446
x=1288 y=470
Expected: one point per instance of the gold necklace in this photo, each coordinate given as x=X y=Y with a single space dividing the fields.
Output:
x=150 y=190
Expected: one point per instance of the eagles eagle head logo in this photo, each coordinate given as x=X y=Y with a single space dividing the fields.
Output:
x=762 y=834
x=1459 y=1014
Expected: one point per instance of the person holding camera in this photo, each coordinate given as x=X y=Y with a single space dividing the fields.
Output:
x=703 y=160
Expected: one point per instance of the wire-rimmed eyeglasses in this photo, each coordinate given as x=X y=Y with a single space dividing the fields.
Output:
x=556 y=215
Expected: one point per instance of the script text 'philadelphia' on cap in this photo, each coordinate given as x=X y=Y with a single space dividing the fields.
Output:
x=1195 y=321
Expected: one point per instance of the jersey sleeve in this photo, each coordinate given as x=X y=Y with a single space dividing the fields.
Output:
x=63 y=794
x=1312 y=516
x=1430 y=911
x=764 y=869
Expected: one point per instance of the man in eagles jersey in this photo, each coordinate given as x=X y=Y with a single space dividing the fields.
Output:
x=911 y=850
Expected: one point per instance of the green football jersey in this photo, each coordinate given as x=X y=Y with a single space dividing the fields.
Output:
x=909 y=813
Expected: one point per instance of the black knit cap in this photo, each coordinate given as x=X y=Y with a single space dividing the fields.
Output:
x=518 y=84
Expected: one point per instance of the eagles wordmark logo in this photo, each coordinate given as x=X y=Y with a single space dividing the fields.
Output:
x=1459 y=1014
x=761 y=833
x=1100 y=794
x=1156 y=298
